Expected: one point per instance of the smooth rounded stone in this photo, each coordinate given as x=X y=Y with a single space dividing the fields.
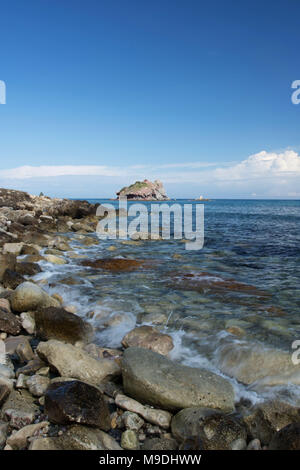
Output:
x=129 y=440
x=58 y=323
x=12 y=279
x=254 y=445
x=287 y=438
x=75 y=401
x=253 y=364
x=3 y=433
x=28 y=322
x=73 y=362
x=149 y=338
x=77 y=437
x=186 y=423
x=20 y=409
x=269 y=417
x=37 y=385
x=160 y=443
x=13 y=248
x=9 y=323
x=7 y=261
x=28 y=269
x=55 y=259
x=161 y=418
x=24 y=351
x=29 y=296
x=19 y=439
x=132 y=421
x=156 y=380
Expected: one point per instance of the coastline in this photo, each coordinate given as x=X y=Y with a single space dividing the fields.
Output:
x=124 y=397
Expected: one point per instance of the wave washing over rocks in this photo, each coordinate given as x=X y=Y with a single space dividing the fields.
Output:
x=101 y=347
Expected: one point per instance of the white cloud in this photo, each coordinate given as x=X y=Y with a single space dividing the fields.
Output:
x=267 y=174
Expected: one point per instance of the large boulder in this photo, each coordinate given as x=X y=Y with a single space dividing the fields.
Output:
x=79 y=402
x=153 y=379
x=149 y=338
x=58 y=323
x=29 y=296
x=73 y=362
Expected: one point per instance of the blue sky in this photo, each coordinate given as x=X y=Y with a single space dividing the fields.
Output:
x=195 y=93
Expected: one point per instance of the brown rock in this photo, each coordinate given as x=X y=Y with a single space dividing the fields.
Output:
x=149 y=338
x=12 y=279
x=28 y=269
x=9 y=323
x=75 y=401
x=114 y=264
x=58 y=323
x=287 y=438
x=7 y=261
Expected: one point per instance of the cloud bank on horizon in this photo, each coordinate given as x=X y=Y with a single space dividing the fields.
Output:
x=262 y=175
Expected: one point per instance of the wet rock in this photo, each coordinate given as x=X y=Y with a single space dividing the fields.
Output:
x=149 y=338
x=156 y=380
x=28 y=269
x=129 y=440
x=77 y=438
x=73 y=362
x=31 y=367
x=19 y=439
x=37 y=385
x=114 y=264
x=75 y=401
x=55 y=259
x=216 y=431
x=20 y=409
x=161 y=418
x=132 y=421
x=160 y=443
x=186 y=424
x=9 y=323
x=250 y=363
x=7 y=261
x=287 y=438
x=58 y=323
x=269 y=417
x=12 y=279
x=29 y=296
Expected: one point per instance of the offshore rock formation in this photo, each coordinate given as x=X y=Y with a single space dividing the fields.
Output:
x=144 y=190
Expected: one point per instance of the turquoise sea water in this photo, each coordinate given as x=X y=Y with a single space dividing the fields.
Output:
x=242 y=288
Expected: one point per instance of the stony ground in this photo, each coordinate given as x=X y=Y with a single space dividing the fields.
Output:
x=61 y=390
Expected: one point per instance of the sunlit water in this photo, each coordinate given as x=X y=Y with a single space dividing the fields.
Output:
x=253 y=243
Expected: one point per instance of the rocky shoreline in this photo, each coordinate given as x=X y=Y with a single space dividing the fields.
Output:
x=60 y=390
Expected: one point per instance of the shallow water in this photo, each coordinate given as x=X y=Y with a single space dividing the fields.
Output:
x=247 y=276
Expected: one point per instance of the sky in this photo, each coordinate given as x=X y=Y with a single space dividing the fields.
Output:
x=101 y=93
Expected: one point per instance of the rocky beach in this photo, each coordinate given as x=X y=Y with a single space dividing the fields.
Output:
x=85 y=365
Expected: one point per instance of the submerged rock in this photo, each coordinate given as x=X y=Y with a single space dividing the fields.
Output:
x=156 y=380
x=58 y=323
x=73 y=362
x=75 y=401
x=114 y=264
x=149 y=338
x=29 y=296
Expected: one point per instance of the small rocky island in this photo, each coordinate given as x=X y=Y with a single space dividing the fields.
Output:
x=145 y=191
